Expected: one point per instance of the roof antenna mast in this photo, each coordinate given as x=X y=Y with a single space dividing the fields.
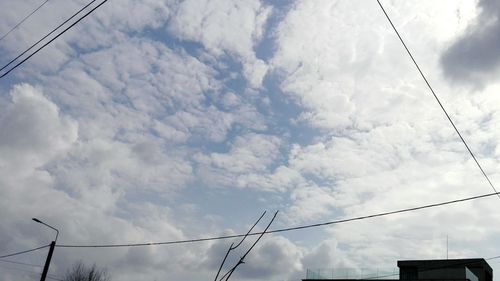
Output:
x=446 y=245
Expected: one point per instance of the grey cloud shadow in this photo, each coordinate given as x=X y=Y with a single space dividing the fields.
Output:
x=474 y=58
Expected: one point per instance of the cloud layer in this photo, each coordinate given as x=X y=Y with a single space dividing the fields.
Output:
x=167 y=120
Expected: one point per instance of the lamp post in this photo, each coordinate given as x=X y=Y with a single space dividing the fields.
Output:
x=51 y=249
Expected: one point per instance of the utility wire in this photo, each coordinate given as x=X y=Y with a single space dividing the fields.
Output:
x=50 y=41
x=242 y=259
x=232 y=247
x=21 y=263
x=285 y=229
x=437 y=99
x=34 y=273
x=47 y=35
x=25 y=18
x=23 y=252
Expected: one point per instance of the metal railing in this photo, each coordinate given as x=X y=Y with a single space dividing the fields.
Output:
x=352 y=273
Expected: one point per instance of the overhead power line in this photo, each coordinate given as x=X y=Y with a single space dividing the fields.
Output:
x=33 y=273
x=23 y=252
x=438 y=101
x=47 y=35
x=24 y=19
x=241 y=261
x=50 y=41
x=21 y=263
x=284 y=229
x=232 y=247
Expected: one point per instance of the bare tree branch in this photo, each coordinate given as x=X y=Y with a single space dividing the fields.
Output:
x=81 y=272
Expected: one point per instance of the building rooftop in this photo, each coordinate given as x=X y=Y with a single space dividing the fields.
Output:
x=473 y=269
x=448 y=263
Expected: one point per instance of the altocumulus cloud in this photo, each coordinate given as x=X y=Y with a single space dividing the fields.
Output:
x=158 y=120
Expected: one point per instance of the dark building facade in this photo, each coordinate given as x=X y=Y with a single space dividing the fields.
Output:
x=432 y=270
x=455 y=269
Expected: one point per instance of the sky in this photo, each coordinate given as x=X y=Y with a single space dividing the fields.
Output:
x=164 y=120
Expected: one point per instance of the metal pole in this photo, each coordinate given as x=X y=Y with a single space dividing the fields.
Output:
x=446 y=246
x=47 y=262
x=41 y=222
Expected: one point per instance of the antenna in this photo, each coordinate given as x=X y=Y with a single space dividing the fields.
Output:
x=446 y=245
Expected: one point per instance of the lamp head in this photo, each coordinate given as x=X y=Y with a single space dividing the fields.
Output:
x=37 y=220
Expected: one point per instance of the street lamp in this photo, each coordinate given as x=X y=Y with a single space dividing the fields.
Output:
x=39 y=221
x=51 y=249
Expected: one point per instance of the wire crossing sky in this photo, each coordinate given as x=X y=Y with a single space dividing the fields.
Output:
x=24 y=252
x=293 y=228
x=23 y=20
x=439 y=102
x=51 y=40
x=46 y=35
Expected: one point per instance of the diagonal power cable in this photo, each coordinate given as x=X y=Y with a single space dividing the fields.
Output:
x=438 y=101
x=47 y=35
x=232 y=247
x=20 y=263
x=31 y=272
x=242 y=259
x=50 y=41
x=288 y=228
x=23 y=252
x=24 y=19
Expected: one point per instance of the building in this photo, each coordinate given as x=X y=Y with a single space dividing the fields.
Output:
x=415 y=270
x=456 y=269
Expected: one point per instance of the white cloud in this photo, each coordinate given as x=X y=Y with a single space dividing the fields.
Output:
x=225 y=26
x=344 y=66
x=221 y=25
x=273 y=257
x=310 y=202
x=34 y=131
x=102 y=163
x=255 y=70
x=102 y=28
x=129 y=120
x=132 y=86
x=140 y=84
x=246 y=164
x=327 y=256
